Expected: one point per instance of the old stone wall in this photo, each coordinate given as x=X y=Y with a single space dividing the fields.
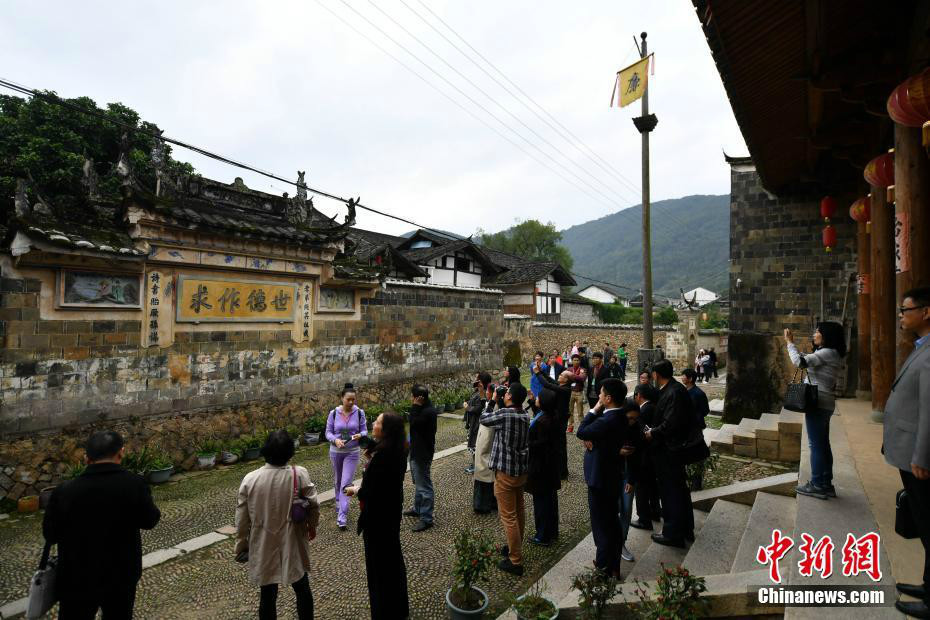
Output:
x=778 y=269
x=549 y=336
x=578 y=313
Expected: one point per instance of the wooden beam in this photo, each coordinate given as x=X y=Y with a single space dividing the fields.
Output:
x=863 y=313
x=883 y=320
x=912 y=221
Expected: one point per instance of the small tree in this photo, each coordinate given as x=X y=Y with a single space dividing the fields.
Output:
x=474 y=555
x=677 y=595
x=595 y=589
x=666 y=316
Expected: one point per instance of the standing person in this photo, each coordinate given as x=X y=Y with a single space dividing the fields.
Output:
x=576 y=346
x=510 y=460
x=344 y=426
x=555 y=367
x=277 y=549
x=659 y=352
x=608 y=352
x=95 y=521
x=535 y=385
x=483 y=500
x=698 y=397
x=823 y=366
x=473 y=408
x=613 y=368
x=706 y=366
x=576 y=404
x=596 y=375
x=603 y=432
x=644 y=377
x=423 y=418
x=674 y=418
x=559 y=358
x=381 y=497
x=648 y=508
x=907 y=435
x=713 y=361
x=563 y=391
x=510 y=374
x=585 y=354
x=698 y=366
x=543 y=480
x=622 y=359
x=631 y=451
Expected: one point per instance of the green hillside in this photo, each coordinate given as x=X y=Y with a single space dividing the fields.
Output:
x=690 y=245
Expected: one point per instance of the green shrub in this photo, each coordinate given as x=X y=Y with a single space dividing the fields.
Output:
x=666 y=316
x=677 y=595
x=595 y=589
x=615 y=314
x=315 y=423
x=208 y=447
x=139 y=462
x=75 y=470
x=475 y=554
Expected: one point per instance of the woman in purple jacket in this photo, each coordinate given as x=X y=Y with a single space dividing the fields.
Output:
x=344 y=426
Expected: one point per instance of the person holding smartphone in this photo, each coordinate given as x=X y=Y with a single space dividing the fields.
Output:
x=345 y=425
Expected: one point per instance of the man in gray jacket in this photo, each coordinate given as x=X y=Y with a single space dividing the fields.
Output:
x=907 y=435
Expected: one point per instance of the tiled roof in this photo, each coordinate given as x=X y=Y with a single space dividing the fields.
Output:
x=574 y=298
x=99 y=229
x=422 y=255
x=532 y=272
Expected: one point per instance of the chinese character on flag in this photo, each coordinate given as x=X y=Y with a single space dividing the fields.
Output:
x=631 y=82
x=817 y=557
x=773 y=553
x=860 y=555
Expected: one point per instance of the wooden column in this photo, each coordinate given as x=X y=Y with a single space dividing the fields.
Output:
x=884 y=322
x=864 y=312
x=912 y=222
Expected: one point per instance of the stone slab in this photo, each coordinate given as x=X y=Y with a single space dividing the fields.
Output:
x=745 y=449
x=747 y=425
x=650 y=564
x=226 y=530
x=159 y=556
x=200 y=542
x=710 y=434
x=790 y=421
x=744 y=438
x=745 y=492
x=713 y=551
x=769 y=512
x=716 y=405
x=768 y=427
x=767 y=449
x=14 y=608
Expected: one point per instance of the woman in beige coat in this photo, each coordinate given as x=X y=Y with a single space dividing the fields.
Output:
x=277 y=549
x=483 y=500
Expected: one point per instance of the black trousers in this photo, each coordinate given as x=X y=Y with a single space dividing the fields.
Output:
x=605 y=526
x=918 y=492
x=114 y=604
x=546 y=515
x=387 y=574
x=268 y=601
x=647 y=492
x=676 y=497
x=563 y=447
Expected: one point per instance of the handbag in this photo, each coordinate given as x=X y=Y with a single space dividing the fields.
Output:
x=904 y=525
x=800 y=397
x=42 y=586
x=300 y=506
x=693 y=450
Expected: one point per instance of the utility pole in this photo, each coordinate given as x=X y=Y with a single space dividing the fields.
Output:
x=645 y=124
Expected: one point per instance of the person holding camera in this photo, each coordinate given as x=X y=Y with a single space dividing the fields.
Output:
x=345 y=425
x=474 y=407
x=563 y=391
x=543 y=481
x=483 y=500
x=423 y=417
x=577 y=403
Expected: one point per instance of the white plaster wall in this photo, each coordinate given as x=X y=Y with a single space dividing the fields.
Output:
x=469 y=279
x=596 y=294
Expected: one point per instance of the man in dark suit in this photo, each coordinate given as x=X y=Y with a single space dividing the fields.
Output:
x=95 y=521
x=674 y=419
x=647 y=487
x=562 y=386
x=604 y=431
x=555 y=368
x=596 y=376
x=907 y=436
x=698 y=397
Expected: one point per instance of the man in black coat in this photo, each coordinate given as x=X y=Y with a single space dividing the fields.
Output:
x=647 y=488
x=674 y=421
x=596 y=375
x=604 y=432
x=95 y=521
x=423 y=418
x=562 y=386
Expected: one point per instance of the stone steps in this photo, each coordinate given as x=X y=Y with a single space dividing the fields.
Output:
x=723 y=442
x=769 y=512
x=773 y=437
x=712 y=552
x=650 y=564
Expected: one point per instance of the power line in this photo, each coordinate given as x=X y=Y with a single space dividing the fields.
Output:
x=55 y=100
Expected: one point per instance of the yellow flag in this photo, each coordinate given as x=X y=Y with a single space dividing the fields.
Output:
x=631 y=82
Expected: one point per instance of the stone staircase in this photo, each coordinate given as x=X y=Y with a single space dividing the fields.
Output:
x=773 y=437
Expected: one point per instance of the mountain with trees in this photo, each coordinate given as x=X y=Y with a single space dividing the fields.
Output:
x=690 y=245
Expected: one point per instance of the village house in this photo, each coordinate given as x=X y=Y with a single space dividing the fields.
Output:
x=604 y=294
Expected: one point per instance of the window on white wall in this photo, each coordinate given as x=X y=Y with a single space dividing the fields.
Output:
x=558 y=305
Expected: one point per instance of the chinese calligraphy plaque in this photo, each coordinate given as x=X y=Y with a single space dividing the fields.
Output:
x=217 y=300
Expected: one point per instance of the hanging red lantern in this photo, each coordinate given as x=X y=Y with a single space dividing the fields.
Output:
x=859 y=211
x=880 y=171
x=909 y=102
x=829 y=238
x=827 y=208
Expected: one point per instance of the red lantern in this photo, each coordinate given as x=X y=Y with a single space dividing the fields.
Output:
x=880 y=171
x=827 y=208
x=859 y=210
x=829 y=238
x=909 y=102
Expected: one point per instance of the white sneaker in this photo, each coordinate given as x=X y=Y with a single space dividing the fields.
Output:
x=627 y=555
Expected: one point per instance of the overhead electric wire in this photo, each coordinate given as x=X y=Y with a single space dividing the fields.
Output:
x=55 y=100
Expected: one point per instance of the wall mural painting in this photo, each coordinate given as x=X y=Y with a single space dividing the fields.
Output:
x=104 y=290
x=337 y=299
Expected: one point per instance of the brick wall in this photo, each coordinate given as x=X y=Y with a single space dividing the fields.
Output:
x=578 y=313
x=62 y=373
x=778 y=258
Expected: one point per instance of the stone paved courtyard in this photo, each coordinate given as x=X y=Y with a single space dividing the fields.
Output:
x=208 y=584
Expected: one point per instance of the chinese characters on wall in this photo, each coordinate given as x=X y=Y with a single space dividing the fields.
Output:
x=214 y=300
x=157 y=326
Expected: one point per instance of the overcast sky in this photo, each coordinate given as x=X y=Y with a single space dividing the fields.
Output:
x=287 y=86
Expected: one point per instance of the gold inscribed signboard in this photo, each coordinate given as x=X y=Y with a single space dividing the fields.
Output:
x=215 y=299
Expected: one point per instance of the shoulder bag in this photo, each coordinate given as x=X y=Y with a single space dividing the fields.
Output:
x=300 y=506
x=42 y=586
x=801 y=397
x=904 y=525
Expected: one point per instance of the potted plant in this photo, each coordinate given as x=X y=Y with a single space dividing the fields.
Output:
x=232 y=451
x=161 y=468
x=75 y=470
x=474 y=555
x=138 y=462
x=595 y=589
x=252 y=446
x=677 y=595
x=313 y=429
x=534 y=605
x=206 y=453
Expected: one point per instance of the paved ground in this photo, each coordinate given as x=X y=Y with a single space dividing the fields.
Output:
x=195 y=504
